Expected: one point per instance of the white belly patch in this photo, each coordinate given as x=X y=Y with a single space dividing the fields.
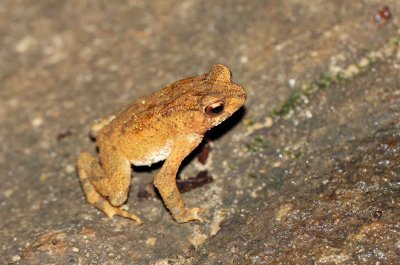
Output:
x=157 y=156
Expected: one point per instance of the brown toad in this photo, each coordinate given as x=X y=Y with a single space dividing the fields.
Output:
x=167 y=125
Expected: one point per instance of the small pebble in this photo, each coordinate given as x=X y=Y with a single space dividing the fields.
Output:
x=69 y=169
x=36 y=122
x=364 y=62
x=151 y=241
x=244 y=59
x=75 y=249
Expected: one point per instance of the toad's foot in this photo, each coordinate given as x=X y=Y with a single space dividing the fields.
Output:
x=191 y=214
x=110 y=211
x=102 y=204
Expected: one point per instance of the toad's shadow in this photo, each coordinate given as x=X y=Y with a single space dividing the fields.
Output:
x=211 y=135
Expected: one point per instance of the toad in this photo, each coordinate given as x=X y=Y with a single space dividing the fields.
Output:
x=166 y=125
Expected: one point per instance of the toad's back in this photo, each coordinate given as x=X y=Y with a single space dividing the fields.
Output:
x=148 y=127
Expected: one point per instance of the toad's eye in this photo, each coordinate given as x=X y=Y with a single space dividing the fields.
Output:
x=215 y=109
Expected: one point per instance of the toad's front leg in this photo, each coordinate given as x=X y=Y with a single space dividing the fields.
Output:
x=165 y=181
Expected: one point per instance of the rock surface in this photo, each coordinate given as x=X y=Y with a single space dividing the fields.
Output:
x=307 y=173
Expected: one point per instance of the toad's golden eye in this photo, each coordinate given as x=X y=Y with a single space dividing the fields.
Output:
x=215 y=108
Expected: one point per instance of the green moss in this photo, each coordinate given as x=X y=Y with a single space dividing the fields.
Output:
x=329 y=79
x=257 y=144
x=288 y=105
x=293 y=153
x=297 y=155
x=325 y=80
x=248 y=122
x=394 y=41
x=252 y=175
x=259 y=140
x=372 y=60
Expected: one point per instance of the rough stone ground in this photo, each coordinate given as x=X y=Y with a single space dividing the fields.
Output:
x=307 y=174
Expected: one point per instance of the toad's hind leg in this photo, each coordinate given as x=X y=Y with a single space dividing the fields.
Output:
x=94 y=185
